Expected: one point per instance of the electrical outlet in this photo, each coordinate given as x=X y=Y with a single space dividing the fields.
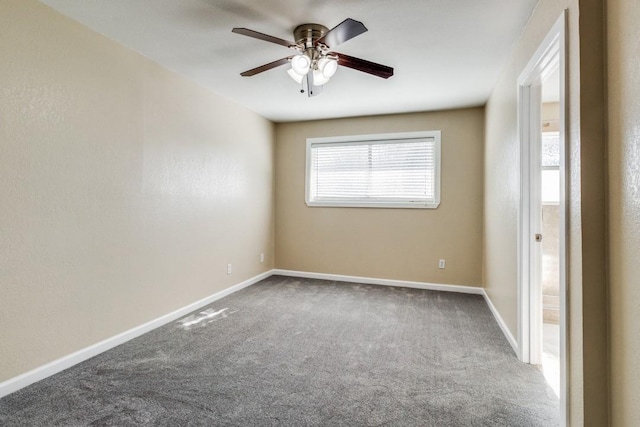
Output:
x=261 y=257
x=228 y=268
x=441 y=264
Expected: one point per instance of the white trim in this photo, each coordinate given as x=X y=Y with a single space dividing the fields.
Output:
x=503 y=326
x=376 y=137
x=354 y=204
x=16 y=383
x=546 y=59
x=381 y=138
x=550 y=55
x=383 y=282
x=542 y=63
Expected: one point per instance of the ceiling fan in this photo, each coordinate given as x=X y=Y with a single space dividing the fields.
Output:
x=315 y=63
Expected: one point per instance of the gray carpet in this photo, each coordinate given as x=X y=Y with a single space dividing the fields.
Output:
x=300 y=352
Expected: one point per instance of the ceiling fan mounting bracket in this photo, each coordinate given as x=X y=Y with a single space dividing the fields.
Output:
x=307 y=34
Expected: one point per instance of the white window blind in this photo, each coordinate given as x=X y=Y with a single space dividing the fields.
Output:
x=400 y=170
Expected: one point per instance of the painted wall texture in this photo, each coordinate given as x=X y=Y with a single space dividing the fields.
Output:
x=400 y=244
x=624 y=209
x=587 y=335
x=125 y=190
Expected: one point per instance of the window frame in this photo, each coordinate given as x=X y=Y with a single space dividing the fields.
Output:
x=554 y=133
x=383 y=138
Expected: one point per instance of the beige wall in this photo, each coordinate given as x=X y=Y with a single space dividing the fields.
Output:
x=401 y=244
x=586 y=241
x=624 y=209
x=125 y=190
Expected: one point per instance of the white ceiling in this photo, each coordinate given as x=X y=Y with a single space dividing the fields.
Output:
x=446 y=54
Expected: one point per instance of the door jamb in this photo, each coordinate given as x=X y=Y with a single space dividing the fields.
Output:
x=550 y=55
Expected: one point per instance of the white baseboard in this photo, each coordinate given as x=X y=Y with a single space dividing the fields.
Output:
x=500 y=320
x=383 y=282
x=16 y=383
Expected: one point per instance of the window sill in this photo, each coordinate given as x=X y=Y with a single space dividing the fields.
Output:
x=393 y=205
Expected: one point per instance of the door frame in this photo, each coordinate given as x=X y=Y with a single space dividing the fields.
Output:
x=550 y=55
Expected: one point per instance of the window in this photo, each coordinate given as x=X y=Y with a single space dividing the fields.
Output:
x=550 y=184
x=384 y=171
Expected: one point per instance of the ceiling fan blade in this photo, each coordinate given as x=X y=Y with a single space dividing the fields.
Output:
x=265 y=67
x=346 y=30
x=364 y=66
x=265 y=37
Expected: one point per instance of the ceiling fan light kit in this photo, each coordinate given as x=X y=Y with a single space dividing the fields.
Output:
x=301 y=64
x=314 y=65
x=295 y=76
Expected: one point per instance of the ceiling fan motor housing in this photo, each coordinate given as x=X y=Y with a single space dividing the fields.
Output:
x=307 y=34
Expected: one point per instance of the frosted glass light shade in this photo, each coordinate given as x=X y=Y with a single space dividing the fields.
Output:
x=318 y=78
x=301 y=64
x=328 y=66
x=295 y=76
x=325 y=69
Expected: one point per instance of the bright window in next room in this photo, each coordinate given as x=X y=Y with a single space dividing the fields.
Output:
x=550 y=168
x=400 y=170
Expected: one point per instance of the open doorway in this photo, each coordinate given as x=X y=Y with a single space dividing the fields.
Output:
x=542 y=308
x=549 y=247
